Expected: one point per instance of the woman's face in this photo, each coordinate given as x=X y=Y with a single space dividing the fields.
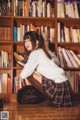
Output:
x=28 y=44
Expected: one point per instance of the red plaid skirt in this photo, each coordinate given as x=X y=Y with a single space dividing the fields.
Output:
x=60 y=94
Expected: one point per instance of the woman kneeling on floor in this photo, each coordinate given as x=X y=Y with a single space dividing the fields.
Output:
x=54 y=81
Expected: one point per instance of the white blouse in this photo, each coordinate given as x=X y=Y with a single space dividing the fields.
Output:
x=43 y=65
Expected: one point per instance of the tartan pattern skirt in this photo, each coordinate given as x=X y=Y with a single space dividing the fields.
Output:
x=60 y=94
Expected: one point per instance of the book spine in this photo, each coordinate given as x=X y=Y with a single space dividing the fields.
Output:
x=9 y=85
x=15 y=33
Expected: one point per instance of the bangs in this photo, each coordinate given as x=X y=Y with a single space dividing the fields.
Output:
x=26 y=37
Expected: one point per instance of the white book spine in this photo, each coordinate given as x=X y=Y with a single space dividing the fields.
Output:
x=62 y=10
x=28 y=28
x=58 y=10
x=76 y=10
x=75 y=36
x=51 y=35
x=75 y=57
x=18 y=33
x=22 y=64
x=72 y=59
x=23 y=31
x=72 y=11
x=23 y=7
x=44 y=9
x=33 y=9
x=48 y=9
x=58 y=31
x=66 y=58
x=39 y=8
x=45 y=33
x=65 y=32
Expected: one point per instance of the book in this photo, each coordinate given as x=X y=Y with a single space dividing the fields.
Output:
x=20 y=63
x=69 y=64
x=75 y=57
x=15 y=33
x=19 y=59
x=9 y=84
x=0 y=83
x=76 y=12
x=21 y=8
x=17 y=84
x=71 y=58
x=4 y=82
x=78 y=56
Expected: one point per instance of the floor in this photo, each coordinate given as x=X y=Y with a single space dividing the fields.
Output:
x=42 y=111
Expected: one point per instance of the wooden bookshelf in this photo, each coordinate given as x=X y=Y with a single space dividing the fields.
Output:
x=8 y=44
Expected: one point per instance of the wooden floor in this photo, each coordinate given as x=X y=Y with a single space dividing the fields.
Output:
x=42 y=111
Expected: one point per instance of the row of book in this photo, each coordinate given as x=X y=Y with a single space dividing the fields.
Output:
x=68 y=34
x=5 y=33
x=45 y=31
x=70 y=9
x=6 y=7
x=68 y=58
x=40 y=8
x=5 y=59
x=32 y=8
x=19 y=83
x=5 y=83
x=74 y=78
x=65 y=34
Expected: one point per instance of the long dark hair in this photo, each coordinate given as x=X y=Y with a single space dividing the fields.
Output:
x=34 y=36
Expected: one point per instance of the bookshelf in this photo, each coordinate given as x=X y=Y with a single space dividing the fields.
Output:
x=17 y=19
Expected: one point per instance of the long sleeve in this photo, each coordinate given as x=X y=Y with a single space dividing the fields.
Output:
x=45 y=66
x=30 y=66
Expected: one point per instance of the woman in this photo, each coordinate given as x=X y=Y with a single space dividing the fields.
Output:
x=55 y=84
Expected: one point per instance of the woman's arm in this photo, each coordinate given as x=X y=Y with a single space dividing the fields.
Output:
x=30 y=66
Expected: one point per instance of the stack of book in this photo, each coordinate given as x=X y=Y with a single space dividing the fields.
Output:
x=68 y=58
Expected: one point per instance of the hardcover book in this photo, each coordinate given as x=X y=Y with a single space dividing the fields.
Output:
x=19 y=59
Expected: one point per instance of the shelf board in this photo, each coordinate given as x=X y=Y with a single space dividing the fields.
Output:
x=5 y=68
x=38 y=18
x=17 y=68
x=72 y=69
x=69 y=19
x=71 y=44
x=18 y=42
x=5 y=16
x=75 y=22
x=6 y=42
